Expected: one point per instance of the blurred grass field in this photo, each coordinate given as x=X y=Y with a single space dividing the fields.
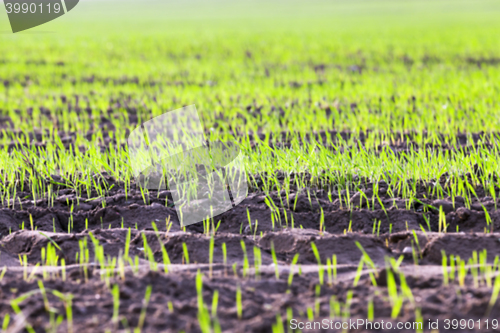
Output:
x=354 y=117
x=258 y=53
x=258 y=67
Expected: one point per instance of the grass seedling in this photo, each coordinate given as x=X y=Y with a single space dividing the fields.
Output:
x=256 y=226
x=24 y=263
x=5 y=322
x=427 y=222
x=358 y=271
x=17 y=310
x=115 y=292
x=121 y=267
x=246 y=265
x=335 y=308
x=148 y=253
x=164 y=253
x=2 y=273
x=414 y=254
x=334 y=267
x=289 y=314
x=366 y=259
x=442 y=220
x=211 y=255
x=347 y=312
x=168 y=225
x=249 y=221
x=483 y=263
x=462 y=271
x=84 y=256
x=239 y=306
x=329 y=271
x=257 y=260
x=185 y=252
x=52 y=321
x=494 y=296
x=318 y=259
x=215 y=302
x=317 y=304
x=145 y=302
x=67 y=300
x=294 y=262
x=395 y=299
x=473 y=262
x=52 y=241
x=310 y=313
x=224 y=257
x=275 y=261
x=321 y=221
x=63 y=269
x=419 y=320
x=100 y=258
x=203 y=315
x=278 y=327
x=405 y=289
x=370 y=311
x=416 y=242
x=235 y=270
x=127 y=244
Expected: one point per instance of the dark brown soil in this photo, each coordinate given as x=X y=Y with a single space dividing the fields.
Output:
x=344 y=224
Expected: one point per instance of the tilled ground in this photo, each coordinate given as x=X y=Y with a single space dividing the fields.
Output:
x=300 y=289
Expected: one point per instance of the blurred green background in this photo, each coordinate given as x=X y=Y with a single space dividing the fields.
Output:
x=256 y=66
x=264 y=53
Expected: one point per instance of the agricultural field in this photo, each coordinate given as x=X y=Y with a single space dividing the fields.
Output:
x=371 y=142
